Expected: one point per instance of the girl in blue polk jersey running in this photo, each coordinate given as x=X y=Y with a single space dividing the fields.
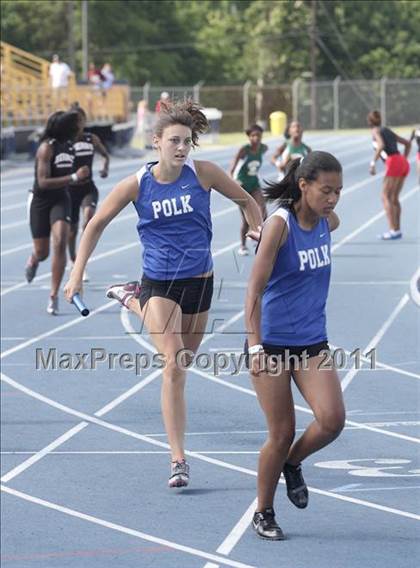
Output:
x=285 y=318
x=172 y=199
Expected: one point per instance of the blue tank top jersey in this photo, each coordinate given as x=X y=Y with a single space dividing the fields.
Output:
x=174 y=225
x=294 y=299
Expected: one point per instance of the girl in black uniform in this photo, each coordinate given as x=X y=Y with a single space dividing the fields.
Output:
x=49 y=201
x=84 y=194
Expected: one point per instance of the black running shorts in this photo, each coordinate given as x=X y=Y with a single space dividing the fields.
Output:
x=84 y=196
x=45 y=209
x=288 y=351
x=192 y=294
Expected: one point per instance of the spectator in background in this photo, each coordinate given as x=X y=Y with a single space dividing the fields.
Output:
x=145 y=120
x=94 y=102
x=107 y=76
x=94 y=76
x=59 y=80
x=164 y=98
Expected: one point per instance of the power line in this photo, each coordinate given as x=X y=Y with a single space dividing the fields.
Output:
x=341 y=71
x=339 y=36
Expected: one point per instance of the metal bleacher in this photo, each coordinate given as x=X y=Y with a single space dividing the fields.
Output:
x=27 y=98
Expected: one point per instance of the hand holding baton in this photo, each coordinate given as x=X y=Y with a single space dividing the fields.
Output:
x=80 y=305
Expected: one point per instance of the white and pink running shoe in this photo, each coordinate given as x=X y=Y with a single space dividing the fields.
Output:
x=124 y=292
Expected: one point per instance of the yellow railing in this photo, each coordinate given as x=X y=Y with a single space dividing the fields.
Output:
x=27 y=98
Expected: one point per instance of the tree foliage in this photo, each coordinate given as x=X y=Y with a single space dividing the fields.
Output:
x=174 y=42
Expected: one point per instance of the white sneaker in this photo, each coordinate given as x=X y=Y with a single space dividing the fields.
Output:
x=52 y=307
x=124 y=292
x=85 y=277
x=391 y=235
x=243 y=251
x=180 y=474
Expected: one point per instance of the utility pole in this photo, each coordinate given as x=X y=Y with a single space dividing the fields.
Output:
x=70 y=37
x=313 y=35
x=85 y=39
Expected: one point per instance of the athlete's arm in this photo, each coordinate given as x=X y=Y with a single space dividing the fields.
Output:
x=380 y=145
x=272 y=238
x=211 y=176
x=124 y=192
x=406 y=143
x=44 y=179
x=333 y=221
x=285 y=161
x=277 y=154
x=239 y=156
x=100 y=148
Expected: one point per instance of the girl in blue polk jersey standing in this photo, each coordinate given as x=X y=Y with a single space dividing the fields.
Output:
x=172 y=199
x=285 y=318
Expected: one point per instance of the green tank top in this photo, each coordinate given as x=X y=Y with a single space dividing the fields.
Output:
x=246 y=171
x=296 y=151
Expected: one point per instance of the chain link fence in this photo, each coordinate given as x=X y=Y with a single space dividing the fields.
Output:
x=321 y=105
x=345 y=104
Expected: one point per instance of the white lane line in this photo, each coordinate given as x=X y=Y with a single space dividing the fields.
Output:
x=76 y=429
x=134 y=452
x=380 y=365
x=362 y=183
x=193 y=454
x=109 y=425
x=123 y=529
x=375 y=340
x=371 y=221
x=5 y=226
x=112 y=251
x=235 y=534
x=19 y=205
x=29 y=179
x=105 y=409
x=345 y=487
x=353 y=487
x=359 y=425
x=52 y=331
x=414 y=288
x=25 y=465
x=128 y=327
x=15 y=249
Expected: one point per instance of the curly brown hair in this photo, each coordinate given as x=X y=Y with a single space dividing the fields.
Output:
x=188 y=113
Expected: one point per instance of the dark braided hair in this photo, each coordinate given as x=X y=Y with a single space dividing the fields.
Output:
x=287 y=191
x=61 y=125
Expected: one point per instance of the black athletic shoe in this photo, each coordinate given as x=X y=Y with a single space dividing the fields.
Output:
x=30 y=269
x=297 y=490
x=265 y=525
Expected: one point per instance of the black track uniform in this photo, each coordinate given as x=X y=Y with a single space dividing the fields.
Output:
x=83 y=194
x=46 y=206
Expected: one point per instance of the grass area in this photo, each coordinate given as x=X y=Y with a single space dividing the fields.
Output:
x=238 y=138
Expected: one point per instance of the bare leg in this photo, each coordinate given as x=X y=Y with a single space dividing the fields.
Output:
x=177 y=331
x=74 y=229
x=275 y=398
x=88 y=213
x=163 y=320
x=322 y=391
x=395 y=203
x=41 y=250
x=259 y=198
x=387 y=196
x=244 y=228
x=60 y=233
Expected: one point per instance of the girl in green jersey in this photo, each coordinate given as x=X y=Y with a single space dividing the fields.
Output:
x=292 y=148
x=244 y=170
